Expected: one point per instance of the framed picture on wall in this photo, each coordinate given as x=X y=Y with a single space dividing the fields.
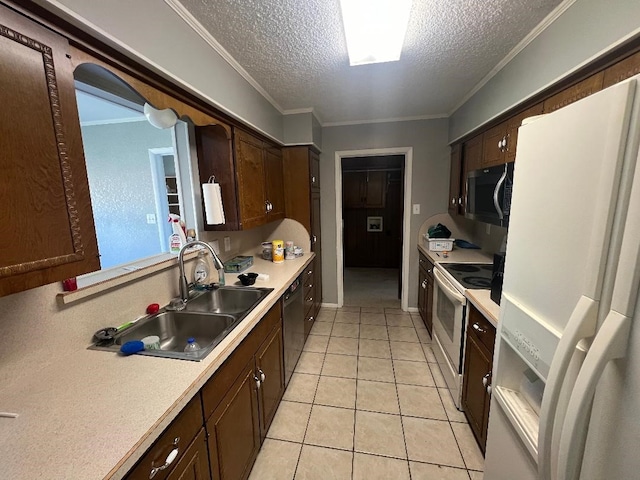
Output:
x=374 y=224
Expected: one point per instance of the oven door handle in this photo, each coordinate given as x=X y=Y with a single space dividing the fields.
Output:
x=447 y=288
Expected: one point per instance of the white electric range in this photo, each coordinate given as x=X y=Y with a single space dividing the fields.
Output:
x=449 y=314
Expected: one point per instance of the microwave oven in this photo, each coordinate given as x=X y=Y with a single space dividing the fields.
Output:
x=489 y=194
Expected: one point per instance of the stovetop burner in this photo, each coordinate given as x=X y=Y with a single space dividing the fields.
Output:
x=464 y=267
x=478 y=282
x=470 y=275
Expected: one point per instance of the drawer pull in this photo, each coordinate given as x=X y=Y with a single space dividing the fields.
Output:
x=311 y=319
x=262 y=375
x=310 y=285
x=310 y=299
x=258 y=382
x=309 y=272
x=169 y=460
x=478 y=328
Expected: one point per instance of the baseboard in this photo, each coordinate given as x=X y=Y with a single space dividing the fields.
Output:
x=329 y=305
x=413 y=310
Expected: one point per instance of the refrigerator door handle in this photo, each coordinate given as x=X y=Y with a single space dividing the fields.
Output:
x=581 y=324
x=609 y=344
x=496 y=202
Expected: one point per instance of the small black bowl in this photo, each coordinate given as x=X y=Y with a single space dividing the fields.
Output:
x=248 y=278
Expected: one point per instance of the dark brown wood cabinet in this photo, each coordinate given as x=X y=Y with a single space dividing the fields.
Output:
x=364 y=189
x=180 y=436
x=574 y=93
x=242 y=397
x=455 y=181
x=270 y=368
x=194 y=464
x=476 y=384
x=311 y=289
x=627 y=68
x=44 y=180
x=259 y=180
x=303 y=204
x=425 y=291
x=499 y=143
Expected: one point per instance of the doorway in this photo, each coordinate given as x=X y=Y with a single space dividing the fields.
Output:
x=372 y=200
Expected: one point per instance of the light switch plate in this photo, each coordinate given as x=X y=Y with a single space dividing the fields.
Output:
x=151 y=218
x=227 y=244
x=416 y=209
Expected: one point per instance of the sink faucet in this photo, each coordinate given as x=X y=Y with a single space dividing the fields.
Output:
x=184 y=285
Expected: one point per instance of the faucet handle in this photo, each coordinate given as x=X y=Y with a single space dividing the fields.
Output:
x=177 y=304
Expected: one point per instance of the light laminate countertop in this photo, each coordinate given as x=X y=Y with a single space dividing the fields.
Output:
x=89 y=414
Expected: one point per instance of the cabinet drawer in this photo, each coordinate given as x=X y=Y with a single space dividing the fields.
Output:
x=425 y=264
x=214 y=390
x=481 y=328
x=309 y=299
x=178 y=436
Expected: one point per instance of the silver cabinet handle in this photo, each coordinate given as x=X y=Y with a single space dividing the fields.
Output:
x=262 y=375
x=460 y=201
x=310 y=299
x=424 y=284
x=453 y=201
x=313 y=179
x=258 y=382
x=478 y=328
x=168 y=461
x=429 y=271
x=266 y=206
x=314 y=239
x=310 y=285
x=485 y=380
x=311 y=319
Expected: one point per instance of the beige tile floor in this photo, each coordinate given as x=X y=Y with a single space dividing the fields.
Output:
x=367 y=401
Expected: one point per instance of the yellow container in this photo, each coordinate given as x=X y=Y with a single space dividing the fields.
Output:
x=278 y=251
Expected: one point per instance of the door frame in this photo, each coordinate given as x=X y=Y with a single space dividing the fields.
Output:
x=406 y=220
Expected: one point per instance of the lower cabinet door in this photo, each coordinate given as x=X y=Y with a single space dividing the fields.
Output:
x=475 y=398
x=270 y=364
x=194 y=464
x=234 y=429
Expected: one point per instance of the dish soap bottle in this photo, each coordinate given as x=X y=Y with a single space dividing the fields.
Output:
x=201 y=270
x=191 y=346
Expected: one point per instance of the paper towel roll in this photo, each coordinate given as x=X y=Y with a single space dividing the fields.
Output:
x=213 y=203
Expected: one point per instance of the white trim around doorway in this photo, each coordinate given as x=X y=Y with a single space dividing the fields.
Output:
x=406 y=220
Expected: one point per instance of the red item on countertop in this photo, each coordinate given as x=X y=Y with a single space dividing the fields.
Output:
x=153 y=308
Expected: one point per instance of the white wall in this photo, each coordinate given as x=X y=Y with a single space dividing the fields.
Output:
x=430 y=185
x=152 y=31
x=587 y=28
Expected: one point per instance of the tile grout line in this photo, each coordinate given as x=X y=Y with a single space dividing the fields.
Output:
x=395 y=383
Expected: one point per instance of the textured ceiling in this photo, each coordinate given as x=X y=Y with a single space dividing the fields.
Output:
x=295 y=49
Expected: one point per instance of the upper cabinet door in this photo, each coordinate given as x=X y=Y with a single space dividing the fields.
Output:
x=274 y=182
x=252 y=196
x=455 y=179
x=44 y=187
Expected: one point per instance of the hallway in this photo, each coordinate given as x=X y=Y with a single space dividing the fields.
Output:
x=367 y=402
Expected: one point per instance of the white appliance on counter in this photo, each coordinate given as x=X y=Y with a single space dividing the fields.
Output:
x=449 y=314
x=568 y=317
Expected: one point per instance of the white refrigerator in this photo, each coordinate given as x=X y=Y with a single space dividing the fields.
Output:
x=566 y=376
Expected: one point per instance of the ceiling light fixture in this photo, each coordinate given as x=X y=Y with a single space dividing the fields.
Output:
x=375 y=29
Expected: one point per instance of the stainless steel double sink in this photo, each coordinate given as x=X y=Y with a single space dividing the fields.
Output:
x=208 y=317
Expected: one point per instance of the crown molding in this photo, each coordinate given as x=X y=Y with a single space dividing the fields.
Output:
x=386 y=120
x=541 y=27
x=197 y=27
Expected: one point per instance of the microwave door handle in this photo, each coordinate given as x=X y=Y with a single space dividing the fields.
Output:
x=496 y=203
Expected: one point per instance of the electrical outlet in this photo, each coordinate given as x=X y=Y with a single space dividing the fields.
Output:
x=151 y=218
x=227 y=244
x=216 y=246
x=416 y=209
